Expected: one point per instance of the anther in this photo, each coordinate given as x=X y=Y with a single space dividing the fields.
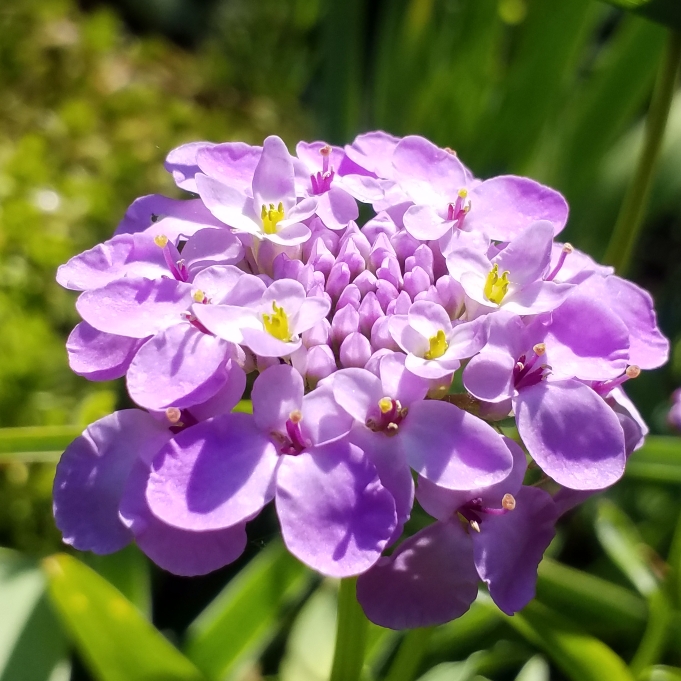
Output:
x=385 y=404
x=451 y=151
x=539 y=349
x=475 y=525
x=508 y=502
x=161 y=240
x=199 y=296
x=173 y=415
x=463 y=193
x=296 y=416
x=633 y=371
x=391 y=429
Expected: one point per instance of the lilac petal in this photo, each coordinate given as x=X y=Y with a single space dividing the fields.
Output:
x=264 y=344
x=213 y=475
x=228 y=285
x=336 y=208
x=393 y=471
x=232 y=163
x=357 y=391
x=373 y=152
x=276 y=393
x=528 y=255
x=489 y=376
x=509 y=548
x=418 y=158
x=571 y=433
x=428 y=318
x=181 y=552
x=178 y=367
x=399 y=383
x=443 y=503
x=211 y=247
x=273 y=178
x=539 y=296
x=633 y=425
x=504 y=206
x=136 y=308
x=99 y=356
x=586 y=340
x=91 y=476
x=126 y=255
x=335 y=514
x=310 y=154
x=431 y=369
x=324 y=420
x=424 y=223
x=227 y=321
x=429 y=580
x=227 y=204
x=228 y=396
x=286 y=293
x=467 y=338
x=312 y=310
x=453 y=448
x=290 y=235
x=146 y=212
x=649 y=348
x=182 y=164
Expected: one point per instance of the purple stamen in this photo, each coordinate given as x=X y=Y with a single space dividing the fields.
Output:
x=567 y=249
x=603 y=388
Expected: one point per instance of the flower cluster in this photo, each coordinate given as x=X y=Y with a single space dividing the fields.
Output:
x=380 y=362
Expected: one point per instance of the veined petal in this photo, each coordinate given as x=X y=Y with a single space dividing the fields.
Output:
x=276 y=393
x=228 y=205
x=335 y=514
x=336 y=208
x=451 y=447
x=539 y=296
x=424 y=223
x=571 y=433
x=273 y=178
x=357 y=391
x=429 y=580
x=213 y=475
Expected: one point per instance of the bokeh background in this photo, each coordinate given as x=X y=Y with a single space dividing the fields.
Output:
x=92 y=97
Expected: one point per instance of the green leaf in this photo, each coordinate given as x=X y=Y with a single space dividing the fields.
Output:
x=535 y=669
x=667 y=12
x=590 y=601
x=36 y=443
x=246 y=615
x=114 y=639
x=622 y=543
x=28 y=624
x=659 y=460
x=580 y=656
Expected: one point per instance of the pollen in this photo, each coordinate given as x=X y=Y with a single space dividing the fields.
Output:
x=385 y=404
x=276 y=324
x=508 y=502
x=271 y=217
x=161 y=240
x=325 y=150
x=539 y=349
x=463 y=193
x=438 y=345
x=296 y=416
x=173 y=415
x=496 y=286
x=633 y=371
x=199 y=296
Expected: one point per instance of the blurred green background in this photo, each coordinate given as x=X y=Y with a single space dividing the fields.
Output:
x=93 y=96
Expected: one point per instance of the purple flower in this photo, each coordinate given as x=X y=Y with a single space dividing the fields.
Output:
x=432 y=577
x=336 y=516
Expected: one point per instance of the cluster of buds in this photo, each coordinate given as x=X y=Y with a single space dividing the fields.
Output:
x=380 y=360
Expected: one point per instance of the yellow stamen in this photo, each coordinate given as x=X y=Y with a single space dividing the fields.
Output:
x=296 y=416
x=161 y=240
x=271 y=217
x=276 y=324
x=385 y=404
x=539 y=349
x=199 y=296
x=438 y=345
x=463 y=193
x=496 y=286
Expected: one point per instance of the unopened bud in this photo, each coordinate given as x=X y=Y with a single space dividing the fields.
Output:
x=633 y=371
x=173 y=415
x=161 y=240
x=508 y=502
x=539 y=349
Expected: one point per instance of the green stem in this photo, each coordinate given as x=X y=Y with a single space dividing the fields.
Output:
x=630 y=219
x=409 y=656
x=348 y=656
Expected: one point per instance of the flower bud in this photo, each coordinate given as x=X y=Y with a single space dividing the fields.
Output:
x=344 y=322
x=369 y=312
x=355 y=351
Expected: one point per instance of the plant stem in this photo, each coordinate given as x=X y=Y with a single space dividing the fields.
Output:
x=348 y=656
x=630 y=219
x=409 y=656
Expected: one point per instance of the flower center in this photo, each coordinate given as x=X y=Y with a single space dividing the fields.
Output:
x=321 y=181
x=387 y=418
x=276 y=324
x=438 y=345
x=525 y=373
x=460 y=208
x=474 y=512
x=271 y=217
x=293 y=442
x=178 y=268
x=496 y=286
